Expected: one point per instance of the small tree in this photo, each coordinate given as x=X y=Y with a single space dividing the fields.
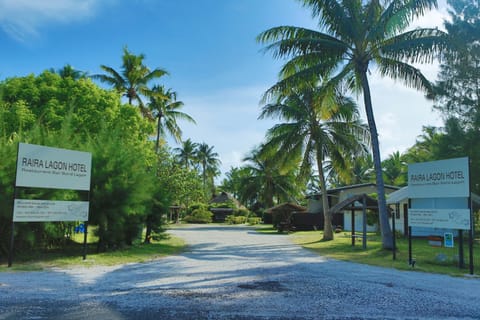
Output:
x=199 y=213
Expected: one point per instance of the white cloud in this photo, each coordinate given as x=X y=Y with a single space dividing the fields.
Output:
x=433 y=18
x=22 y=19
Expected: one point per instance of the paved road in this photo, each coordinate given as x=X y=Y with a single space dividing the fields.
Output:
x=232 y=272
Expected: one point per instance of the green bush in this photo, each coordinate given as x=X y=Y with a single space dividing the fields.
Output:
x=199 y=215
x=231 y=219
x=242 y=212
x=196 y=206
x=254 y=220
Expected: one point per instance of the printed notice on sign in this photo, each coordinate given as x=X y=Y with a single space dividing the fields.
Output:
x=440 y=218
x=45 y=210
x=437 y=179
x=46 y=167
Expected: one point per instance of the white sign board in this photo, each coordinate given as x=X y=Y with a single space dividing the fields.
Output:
x=438 y=179
x=46 y=167
x=440 y=218
x=46 y=210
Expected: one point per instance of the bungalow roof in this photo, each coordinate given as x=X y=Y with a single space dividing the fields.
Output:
x=292 y=206
x=398 y=196
x=350 y=187
x=402 y=195
x=355 y=203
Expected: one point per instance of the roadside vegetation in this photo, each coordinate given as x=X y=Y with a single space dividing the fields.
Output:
x=71 y=255
x=428 y=258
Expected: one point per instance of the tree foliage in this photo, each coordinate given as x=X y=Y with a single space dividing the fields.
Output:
x=165 y=107
x=458 y=88
x=209 y=162
x=354 y=37
x=69 y=113
x=266 y=181
x=320 y=125
x=395 y=170
x=122 y=188
x=133 y=79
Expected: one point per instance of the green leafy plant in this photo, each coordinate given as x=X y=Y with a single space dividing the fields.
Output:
x=232 y=219
x=199 y=215
x=254 y=220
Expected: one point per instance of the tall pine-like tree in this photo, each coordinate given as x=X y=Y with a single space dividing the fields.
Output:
x=458 y=88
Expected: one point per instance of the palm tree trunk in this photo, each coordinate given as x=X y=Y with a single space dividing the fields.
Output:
x=158 y=133
x=387 y=241
x=327 y=216
x=204 y=176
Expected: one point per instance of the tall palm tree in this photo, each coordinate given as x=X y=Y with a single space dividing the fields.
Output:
x=163 y=106
x=354 y=36
x=133 y=78
x=186 y=154
x=208 y=160
x=320 y=126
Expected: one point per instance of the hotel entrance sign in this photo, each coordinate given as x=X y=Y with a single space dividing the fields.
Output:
x=439 y=179
x=47 y=167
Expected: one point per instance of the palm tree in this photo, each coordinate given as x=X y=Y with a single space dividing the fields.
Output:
x=267 y=179
x=163 y=106
x=320 y=126
x=187 y=153
x=67 y=71
x=354 y=36
x=232 y=183
x=362 y=170
x=133 y=78
x=426 y=146
x=208 y=160
x=395 y=170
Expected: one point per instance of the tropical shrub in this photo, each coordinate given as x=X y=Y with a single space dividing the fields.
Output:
x=242 y=212
x=122 y=188
x=232 y=219
x=254 y=220
x=199 y=215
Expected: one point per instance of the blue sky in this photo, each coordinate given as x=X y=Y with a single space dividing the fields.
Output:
x=209 y=49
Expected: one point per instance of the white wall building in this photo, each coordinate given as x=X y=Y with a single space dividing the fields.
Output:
x=337 y=195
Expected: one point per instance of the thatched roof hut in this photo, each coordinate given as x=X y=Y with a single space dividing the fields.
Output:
x=282 y=212
x=220 y=213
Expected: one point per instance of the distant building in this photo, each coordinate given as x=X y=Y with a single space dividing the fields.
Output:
x=220 y=213
x=337 y=195
x=281 y=212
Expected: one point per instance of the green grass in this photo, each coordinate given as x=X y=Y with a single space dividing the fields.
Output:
x=266 y=229
x=72 y=255
x=425 y=255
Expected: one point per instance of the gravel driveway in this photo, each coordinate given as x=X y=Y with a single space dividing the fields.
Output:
x=232 y=272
